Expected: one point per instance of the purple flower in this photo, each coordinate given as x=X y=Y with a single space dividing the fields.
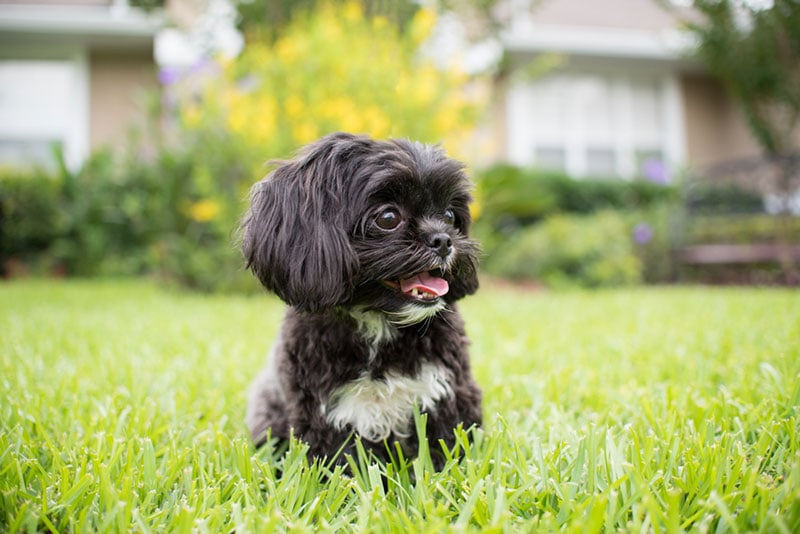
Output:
x=205 y=67
x=643 y=233
x=169 y=75
x=656 y=171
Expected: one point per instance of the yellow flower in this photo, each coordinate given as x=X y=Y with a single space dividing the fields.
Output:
x=254 y=117
x=336 y=68
x=191 y=115
x=380 y=23
x=352 y=12
x=305 y=132
x=475 y=210
x=204 y=210
x=422 y=25
x=376 y=122
x=293 y=106
x=425 y=85
x=238 y=112
x=287 y=50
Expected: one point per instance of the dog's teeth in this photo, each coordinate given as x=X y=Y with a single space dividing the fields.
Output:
x=421 y=294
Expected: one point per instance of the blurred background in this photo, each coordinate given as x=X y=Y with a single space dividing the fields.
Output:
x=613 y=142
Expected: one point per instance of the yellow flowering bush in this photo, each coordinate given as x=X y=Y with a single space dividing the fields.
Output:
x=335 y=69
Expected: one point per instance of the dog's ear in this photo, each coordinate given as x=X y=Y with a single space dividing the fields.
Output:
x=465 y=271
x=295 y=237
x=465 y=281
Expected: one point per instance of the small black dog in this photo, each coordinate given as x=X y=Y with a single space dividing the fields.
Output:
x=367 y=242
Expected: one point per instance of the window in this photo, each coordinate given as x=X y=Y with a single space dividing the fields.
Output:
x=593 y=124
x=40 y=108
x=601 y=162
x=551 y=158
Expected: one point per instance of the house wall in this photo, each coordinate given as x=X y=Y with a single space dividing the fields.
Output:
x=632 y=14
x=59 y=2
x=619 y=44
x=716 y=130
x=120 y=84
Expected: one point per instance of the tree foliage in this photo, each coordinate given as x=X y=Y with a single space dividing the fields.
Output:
x=755 y=50
x=265 y=20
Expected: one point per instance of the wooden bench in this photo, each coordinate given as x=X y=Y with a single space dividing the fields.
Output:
x=731 y=254
x=758 y=186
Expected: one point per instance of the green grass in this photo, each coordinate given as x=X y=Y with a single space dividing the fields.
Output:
x=673 y=409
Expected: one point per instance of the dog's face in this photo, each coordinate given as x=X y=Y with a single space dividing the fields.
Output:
x=381 y=226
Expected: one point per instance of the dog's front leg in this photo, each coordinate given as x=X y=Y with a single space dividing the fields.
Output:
x=464 y=410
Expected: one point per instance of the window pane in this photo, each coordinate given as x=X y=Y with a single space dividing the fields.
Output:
x=29 y=152
x=550 y=102
x=596 y=105
x=36 y=103
x=601 y=162
x=35 y=98
x=647 y=116
x=552 y=158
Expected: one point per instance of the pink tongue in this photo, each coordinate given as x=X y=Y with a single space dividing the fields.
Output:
x=425 y=282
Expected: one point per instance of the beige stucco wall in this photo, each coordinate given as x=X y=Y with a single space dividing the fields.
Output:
x=120 y=84
x=632 y=14
x=716 y=129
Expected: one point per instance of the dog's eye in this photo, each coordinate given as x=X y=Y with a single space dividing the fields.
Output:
x=449 y=217
x=388 y=219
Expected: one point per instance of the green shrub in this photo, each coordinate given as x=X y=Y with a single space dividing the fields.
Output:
x=571 y=250
x=740 y=229
x=527 y=194
x=209 y=183
x=722 y=199
x=590 y=195
x=511 y=194
x=512 y=198
x=170 y=214
x=655 y=232
x=30 y=215
x=111 y=213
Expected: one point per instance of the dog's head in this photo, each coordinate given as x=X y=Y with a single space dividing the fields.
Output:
x=378 y=225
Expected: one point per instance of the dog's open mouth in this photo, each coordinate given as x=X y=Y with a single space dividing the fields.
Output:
x=425 y=286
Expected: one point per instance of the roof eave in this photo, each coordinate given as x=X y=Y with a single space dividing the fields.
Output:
x=83 y=24
x=662 y=46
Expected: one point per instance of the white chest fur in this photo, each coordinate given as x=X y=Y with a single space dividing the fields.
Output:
x=376 y=408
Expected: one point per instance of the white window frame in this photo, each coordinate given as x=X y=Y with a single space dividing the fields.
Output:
x=75 y=138
x=524 y=139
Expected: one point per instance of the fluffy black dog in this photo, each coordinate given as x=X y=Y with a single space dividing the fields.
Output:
x=367 y=241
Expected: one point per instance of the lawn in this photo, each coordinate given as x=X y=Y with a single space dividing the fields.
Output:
x=647 y=409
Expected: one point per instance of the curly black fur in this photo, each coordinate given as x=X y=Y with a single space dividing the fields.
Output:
x=356 y=352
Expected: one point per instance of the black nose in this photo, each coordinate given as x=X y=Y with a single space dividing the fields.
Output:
x=441 y=243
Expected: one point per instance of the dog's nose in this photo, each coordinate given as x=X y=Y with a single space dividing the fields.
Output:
x=441 y=243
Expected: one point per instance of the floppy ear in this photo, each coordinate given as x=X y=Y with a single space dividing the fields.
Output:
x=295 y=239
x=465 y=271
x=465 y=280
